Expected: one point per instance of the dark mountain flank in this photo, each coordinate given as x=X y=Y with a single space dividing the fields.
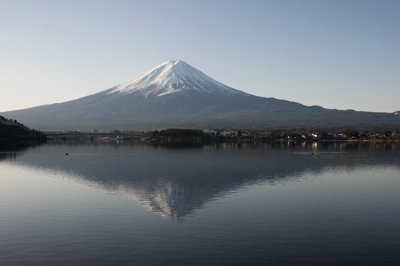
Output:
x=175 y=94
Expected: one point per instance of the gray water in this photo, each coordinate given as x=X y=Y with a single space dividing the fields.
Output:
x=217 y=204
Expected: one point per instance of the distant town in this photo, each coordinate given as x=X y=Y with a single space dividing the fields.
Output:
x=241 y=135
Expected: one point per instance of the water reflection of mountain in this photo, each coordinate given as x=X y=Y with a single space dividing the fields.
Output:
x=174 y=182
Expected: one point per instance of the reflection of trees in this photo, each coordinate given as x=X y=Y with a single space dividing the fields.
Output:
x=174 y=181
x=11 y=148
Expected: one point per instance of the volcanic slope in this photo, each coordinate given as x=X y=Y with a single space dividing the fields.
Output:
x=175 y=94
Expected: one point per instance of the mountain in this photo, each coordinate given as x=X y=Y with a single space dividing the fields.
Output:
x=175 y=94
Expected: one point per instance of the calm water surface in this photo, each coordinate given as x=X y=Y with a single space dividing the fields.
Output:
x=226 y=204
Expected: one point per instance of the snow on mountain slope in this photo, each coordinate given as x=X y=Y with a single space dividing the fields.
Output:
x=171 y=77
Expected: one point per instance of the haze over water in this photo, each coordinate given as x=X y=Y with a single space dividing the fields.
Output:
x=217 y=204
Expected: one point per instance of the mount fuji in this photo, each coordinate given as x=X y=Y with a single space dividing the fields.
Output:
x=175 y=94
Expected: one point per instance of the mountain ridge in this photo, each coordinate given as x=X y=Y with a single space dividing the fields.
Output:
x=175 y=94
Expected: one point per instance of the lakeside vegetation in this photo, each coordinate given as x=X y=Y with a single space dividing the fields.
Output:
x=13 y=130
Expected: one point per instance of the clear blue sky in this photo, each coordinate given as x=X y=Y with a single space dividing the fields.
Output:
x=339 y=54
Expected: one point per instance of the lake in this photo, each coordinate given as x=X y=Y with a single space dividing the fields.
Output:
x=68 y=203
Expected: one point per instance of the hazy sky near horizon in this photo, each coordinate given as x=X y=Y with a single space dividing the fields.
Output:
x=340 y=54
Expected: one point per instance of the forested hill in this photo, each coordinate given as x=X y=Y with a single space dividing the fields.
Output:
x=11 y=129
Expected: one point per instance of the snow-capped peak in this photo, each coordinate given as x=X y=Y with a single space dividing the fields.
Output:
x=172 y=77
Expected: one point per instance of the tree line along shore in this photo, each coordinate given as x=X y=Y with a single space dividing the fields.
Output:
x=11 y=129
x=276 y=135
x=242 y=135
